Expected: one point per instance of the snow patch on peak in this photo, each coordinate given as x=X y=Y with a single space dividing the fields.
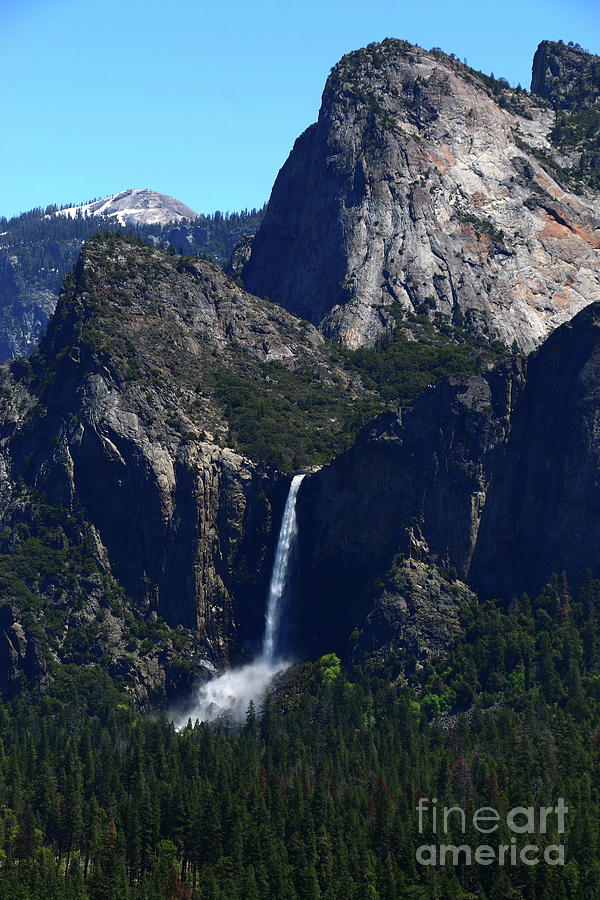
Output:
x=134 y=207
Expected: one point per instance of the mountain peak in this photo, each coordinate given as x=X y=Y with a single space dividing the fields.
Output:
x=427 y=187
x=134 y=206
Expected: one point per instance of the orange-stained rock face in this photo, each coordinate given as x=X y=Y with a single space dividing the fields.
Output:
x=416 y=187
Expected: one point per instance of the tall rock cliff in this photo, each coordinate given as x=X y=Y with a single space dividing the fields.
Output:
x=565 y=74
x=492 y=478
x=145 y=457
x=543 y=509
x=114 y=454
x=412 y=489
x=568 y=77
x=428 y=185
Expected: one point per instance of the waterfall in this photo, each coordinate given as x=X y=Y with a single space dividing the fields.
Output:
x=279 y=576
x=229 y=695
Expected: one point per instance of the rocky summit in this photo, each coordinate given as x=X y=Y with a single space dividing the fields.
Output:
x=565 y=74
x=134 y=207
x=40 y=247
x=429 y=187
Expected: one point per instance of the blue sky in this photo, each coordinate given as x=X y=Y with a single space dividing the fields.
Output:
x=203 y=101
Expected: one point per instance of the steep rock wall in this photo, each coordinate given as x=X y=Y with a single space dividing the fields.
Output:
x=416 y=187
x=494 y=479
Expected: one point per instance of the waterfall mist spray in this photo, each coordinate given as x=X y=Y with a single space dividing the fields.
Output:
x=229 y=695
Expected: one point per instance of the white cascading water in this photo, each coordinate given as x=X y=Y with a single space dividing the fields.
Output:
x=285 y=546
x=229 y=695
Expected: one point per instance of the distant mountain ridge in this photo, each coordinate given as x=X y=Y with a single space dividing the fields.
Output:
x=134 y=207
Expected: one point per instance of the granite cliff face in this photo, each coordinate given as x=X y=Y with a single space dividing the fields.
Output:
x=411 y=490
x=543 y=510
x=116 y=420
x=40 y=247
x=493 y=479
x=139 y=496
x=134 y=536
x=565 y=74
x=427 y=185
x=146 y=447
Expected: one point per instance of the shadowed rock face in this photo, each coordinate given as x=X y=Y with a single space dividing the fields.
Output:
x=416 y=187
x=20 y=661
x=414 y=486
x=496 y=476
x=414 y=610
x=567 y=76
x=543 y=512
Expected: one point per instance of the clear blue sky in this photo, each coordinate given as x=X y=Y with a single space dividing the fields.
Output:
x=203 y=100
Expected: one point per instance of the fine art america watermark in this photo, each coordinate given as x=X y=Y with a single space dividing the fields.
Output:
x=531 y=823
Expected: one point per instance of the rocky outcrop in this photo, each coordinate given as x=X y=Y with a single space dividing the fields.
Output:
x=565 y=74
x=116 y=420
x=40 y=247
x=427 y=187
x=414 y=613
x=493 y=478
x=240 y=256
x=415 y=483
x=568 y=77
x=20 y=660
